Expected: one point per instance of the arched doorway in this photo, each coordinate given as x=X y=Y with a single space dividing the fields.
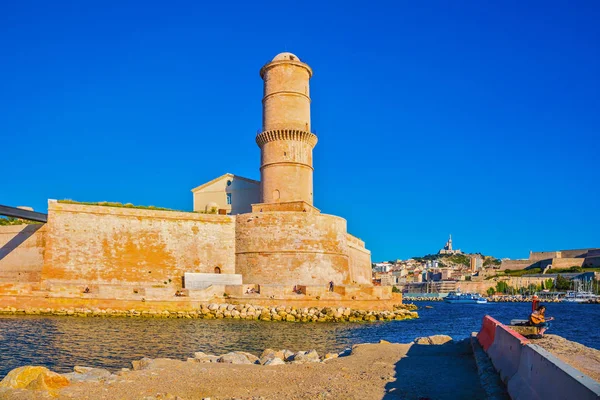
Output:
x=217 y=270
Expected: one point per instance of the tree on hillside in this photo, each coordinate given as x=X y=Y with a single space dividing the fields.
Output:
x=502 y=287
x=562 y=283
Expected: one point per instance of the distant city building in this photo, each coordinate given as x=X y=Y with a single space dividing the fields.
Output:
x=388 y=280
x=382 y=267
x=448 y=248
x=476 y=263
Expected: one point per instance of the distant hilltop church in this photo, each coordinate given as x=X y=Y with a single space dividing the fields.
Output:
x=245 y=235
x=447 y=249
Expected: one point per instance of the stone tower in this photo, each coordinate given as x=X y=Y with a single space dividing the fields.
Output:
x=286 y=142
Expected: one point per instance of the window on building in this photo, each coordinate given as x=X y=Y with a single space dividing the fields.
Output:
x=228 y=183
x=228 y=198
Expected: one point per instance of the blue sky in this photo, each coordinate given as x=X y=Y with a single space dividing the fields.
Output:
x=480 y=120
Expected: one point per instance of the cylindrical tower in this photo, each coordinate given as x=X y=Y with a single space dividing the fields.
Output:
x=286 y=142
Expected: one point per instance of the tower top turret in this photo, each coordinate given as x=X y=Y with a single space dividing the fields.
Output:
x=286 y=56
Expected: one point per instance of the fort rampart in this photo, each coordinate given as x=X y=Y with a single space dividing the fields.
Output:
x=22 y=253
x=109 y=245
x=292 y=248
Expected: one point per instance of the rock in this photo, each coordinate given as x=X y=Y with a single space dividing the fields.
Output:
x=383 y=342
x=287 y=355
x=233 y=358
x=345 y=353
x=205 y=358
x=251 y=357
x=88 y=374
x=274 y=361
x=144 y=363
x=435 y=339
x=268 y=353
x=306 y=356
x=330 y=356
x=34 y=377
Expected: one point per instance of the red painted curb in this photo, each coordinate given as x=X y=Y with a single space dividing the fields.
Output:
x=488 y=332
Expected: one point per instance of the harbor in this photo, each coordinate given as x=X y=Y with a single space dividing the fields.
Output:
x=63 y=342
x=100 y=348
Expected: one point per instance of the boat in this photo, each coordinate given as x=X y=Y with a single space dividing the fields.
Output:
x=579 y=297
x=582 y=291
x=464 y=298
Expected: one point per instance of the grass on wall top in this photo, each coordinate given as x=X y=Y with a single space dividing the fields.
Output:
x=129 y=205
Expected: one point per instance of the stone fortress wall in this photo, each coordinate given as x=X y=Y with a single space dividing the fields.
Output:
x=558 y=259
x=296 y=248
x=122 y=246
x=94 y=246
x=358 y=258
x=22 y=253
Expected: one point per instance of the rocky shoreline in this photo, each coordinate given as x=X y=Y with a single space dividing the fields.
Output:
x=502 y=299
x=39 y=382
x=237 y=311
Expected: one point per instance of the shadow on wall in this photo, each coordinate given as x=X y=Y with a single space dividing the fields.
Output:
x=440 y=372
x=19 y=238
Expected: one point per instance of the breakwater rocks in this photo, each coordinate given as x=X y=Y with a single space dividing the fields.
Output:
x=238 y=311
x=518 y=299
x=424 y=298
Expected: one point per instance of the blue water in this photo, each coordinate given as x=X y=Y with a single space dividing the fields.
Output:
x=62 y=342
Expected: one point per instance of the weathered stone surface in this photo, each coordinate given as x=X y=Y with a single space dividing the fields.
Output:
x=149 y=237
x=306 y=356
x=330 y=356
x=204 y=358
x=34 y=377
x=287 y=355
x=435 y=339
x=88 y=374
x=274 y=361
x=234 y=358
x=144 y=363
x=251 y=357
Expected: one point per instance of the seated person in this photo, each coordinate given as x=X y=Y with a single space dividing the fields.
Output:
x=538 y=319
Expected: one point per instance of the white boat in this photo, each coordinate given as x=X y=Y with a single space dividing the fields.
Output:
x=464 y=298
x=579 y=297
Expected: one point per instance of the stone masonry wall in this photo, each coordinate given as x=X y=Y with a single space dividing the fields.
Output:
x=21 y=253
x=567 y=262
x=482 y=286
x=515 y=264
x=292 y=248
x=543 y=255
x=359 y=261
x=111 y=245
